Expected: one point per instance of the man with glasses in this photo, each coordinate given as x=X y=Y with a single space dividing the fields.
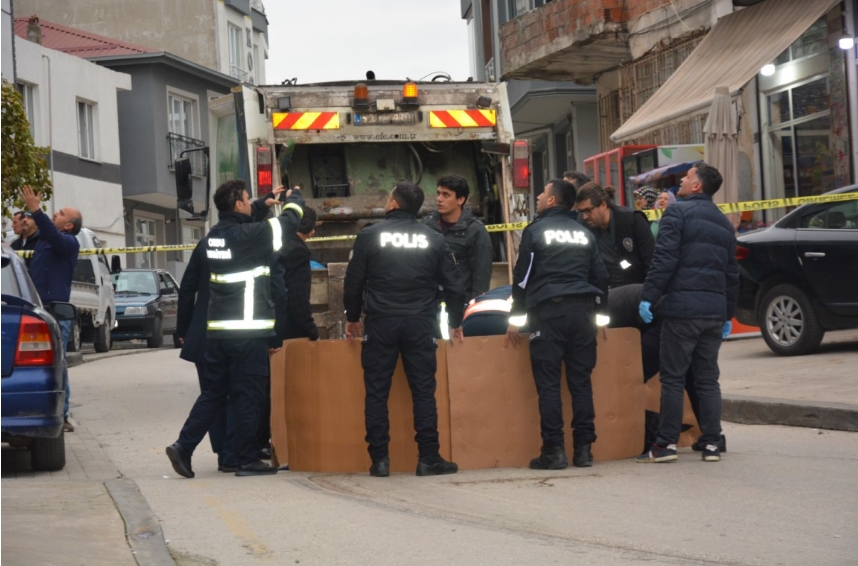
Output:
x=623 y=235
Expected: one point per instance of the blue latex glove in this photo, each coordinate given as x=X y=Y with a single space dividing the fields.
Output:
x=728 y=326
x=643 y=310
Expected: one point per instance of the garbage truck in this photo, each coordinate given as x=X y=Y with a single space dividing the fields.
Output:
x=346 y=144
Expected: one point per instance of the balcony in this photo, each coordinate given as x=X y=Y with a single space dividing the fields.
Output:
x=566 y=40
x=238 y=73
x=178 y=144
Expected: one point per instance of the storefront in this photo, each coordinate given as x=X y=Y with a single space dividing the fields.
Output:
x=804 y=113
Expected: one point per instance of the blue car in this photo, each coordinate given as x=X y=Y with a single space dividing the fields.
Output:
x=33 y=391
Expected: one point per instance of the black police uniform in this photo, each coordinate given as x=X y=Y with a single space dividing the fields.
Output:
x=561 y=281
x=626 y=246
x=398 y=264
x=240 y=320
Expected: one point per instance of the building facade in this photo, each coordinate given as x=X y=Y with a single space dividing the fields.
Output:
x=656 y=64
x=73 y=109
x=165 y=114
x=228 y=36
x=557 y=115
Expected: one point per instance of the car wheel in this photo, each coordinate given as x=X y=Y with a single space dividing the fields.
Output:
x=176 y=342
x=157 y=338
x=74 y=337
x=48 y=454
x=103 y=340
x=789 y=325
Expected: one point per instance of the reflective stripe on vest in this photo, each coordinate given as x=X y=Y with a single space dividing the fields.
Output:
x=277 y=230
x=249 y=279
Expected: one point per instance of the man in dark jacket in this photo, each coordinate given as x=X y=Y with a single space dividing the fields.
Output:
x=52 y=266
x=240 y=321
x=561 y=282
x=465 y=234
x=29 y=236
x=695 y=276
x=191 y=330
x=623 y=235
x=294 y=317
x=398 y=264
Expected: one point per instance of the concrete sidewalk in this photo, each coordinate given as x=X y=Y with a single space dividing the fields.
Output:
x=818 y=391
x=96 y=517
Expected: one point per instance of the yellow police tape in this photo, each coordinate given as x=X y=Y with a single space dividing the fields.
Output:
x=748 y=206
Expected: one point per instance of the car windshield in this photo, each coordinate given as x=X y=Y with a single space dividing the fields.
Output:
x=135 y=282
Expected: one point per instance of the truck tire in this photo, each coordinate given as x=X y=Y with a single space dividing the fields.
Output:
x=103 y=340
x=48 y=454
x=74 y=337
x=789 y=325
x=157 y=338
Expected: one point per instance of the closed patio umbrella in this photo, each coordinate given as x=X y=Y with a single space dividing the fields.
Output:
x=721 y=146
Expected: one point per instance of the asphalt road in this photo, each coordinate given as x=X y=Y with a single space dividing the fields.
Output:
x=781 y=495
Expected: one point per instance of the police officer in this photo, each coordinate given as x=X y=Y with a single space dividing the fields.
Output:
x=561 y=282
x=623 y=235
x=398 y=264
x=465 y=234
x=240 y=320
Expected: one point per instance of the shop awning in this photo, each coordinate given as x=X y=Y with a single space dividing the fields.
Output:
x=662 y=172
x=731 y=54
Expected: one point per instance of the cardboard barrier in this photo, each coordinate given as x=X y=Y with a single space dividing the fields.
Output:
x=653 y=402
x=487 y=405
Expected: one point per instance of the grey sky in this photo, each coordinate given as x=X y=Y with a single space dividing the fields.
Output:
x=328 y=40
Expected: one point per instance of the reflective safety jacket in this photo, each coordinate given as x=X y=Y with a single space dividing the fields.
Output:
x=238 y=251
x=557 y=257
x=399 y=264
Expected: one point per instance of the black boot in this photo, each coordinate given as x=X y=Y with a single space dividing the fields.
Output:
x=582 y=458
x=380 y=467
x=551 y=458
x=256 y=468
x=437 y=466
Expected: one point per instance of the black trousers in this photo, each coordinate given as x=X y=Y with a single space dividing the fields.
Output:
x=385 y=338
x=694 y=344
x=563 y=329
x=236 y=369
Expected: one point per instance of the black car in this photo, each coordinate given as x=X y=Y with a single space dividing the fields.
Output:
x=147 y=302
x=799 y=277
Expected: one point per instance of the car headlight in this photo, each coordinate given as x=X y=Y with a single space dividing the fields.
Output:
x=132 y=311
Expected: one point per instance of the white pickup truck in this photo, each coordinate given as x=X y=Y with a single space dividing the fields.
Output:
x=92 y=294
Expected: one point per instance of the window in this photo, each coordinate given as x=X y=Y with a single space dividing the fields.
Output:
x=85 y=130
x=814 y=40
x=28 y=97
x=841 y=216
x=235 y=51
x=190 y=235
x=168 y=285
x=182 y=112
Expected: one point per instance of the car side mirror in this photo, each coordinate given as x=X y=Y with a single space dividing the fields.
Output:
x=115 y=264
x=63 y=311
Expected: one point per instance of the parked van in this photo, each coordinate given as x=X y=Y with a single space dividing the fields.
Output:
x=92 y=294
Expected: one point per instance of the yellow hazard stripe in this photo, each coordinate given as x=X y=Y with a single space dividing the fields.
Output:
x=747 y=206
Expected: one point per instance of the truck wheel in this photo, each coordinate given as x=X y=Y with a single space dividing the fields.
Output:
x=74 y=337
x=157 y=335
x=103 y=341
x=48 y=454
x=789 y=325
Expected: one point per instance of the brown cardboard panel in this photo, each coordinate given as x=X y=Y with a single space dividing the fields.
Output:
x=487 y=405
x=320 y=398
x=653 y=403
x=493 y=404
x=618 y=395
x=494 y=407
x=280 y=454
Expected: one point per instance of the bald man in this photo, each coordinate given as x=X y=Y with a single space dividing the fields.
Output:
x=53 y=263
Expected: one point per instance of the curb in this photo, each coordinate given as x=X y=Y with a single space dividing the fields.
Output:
x=142 y=528
x=73 y=359
x=770 y=411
